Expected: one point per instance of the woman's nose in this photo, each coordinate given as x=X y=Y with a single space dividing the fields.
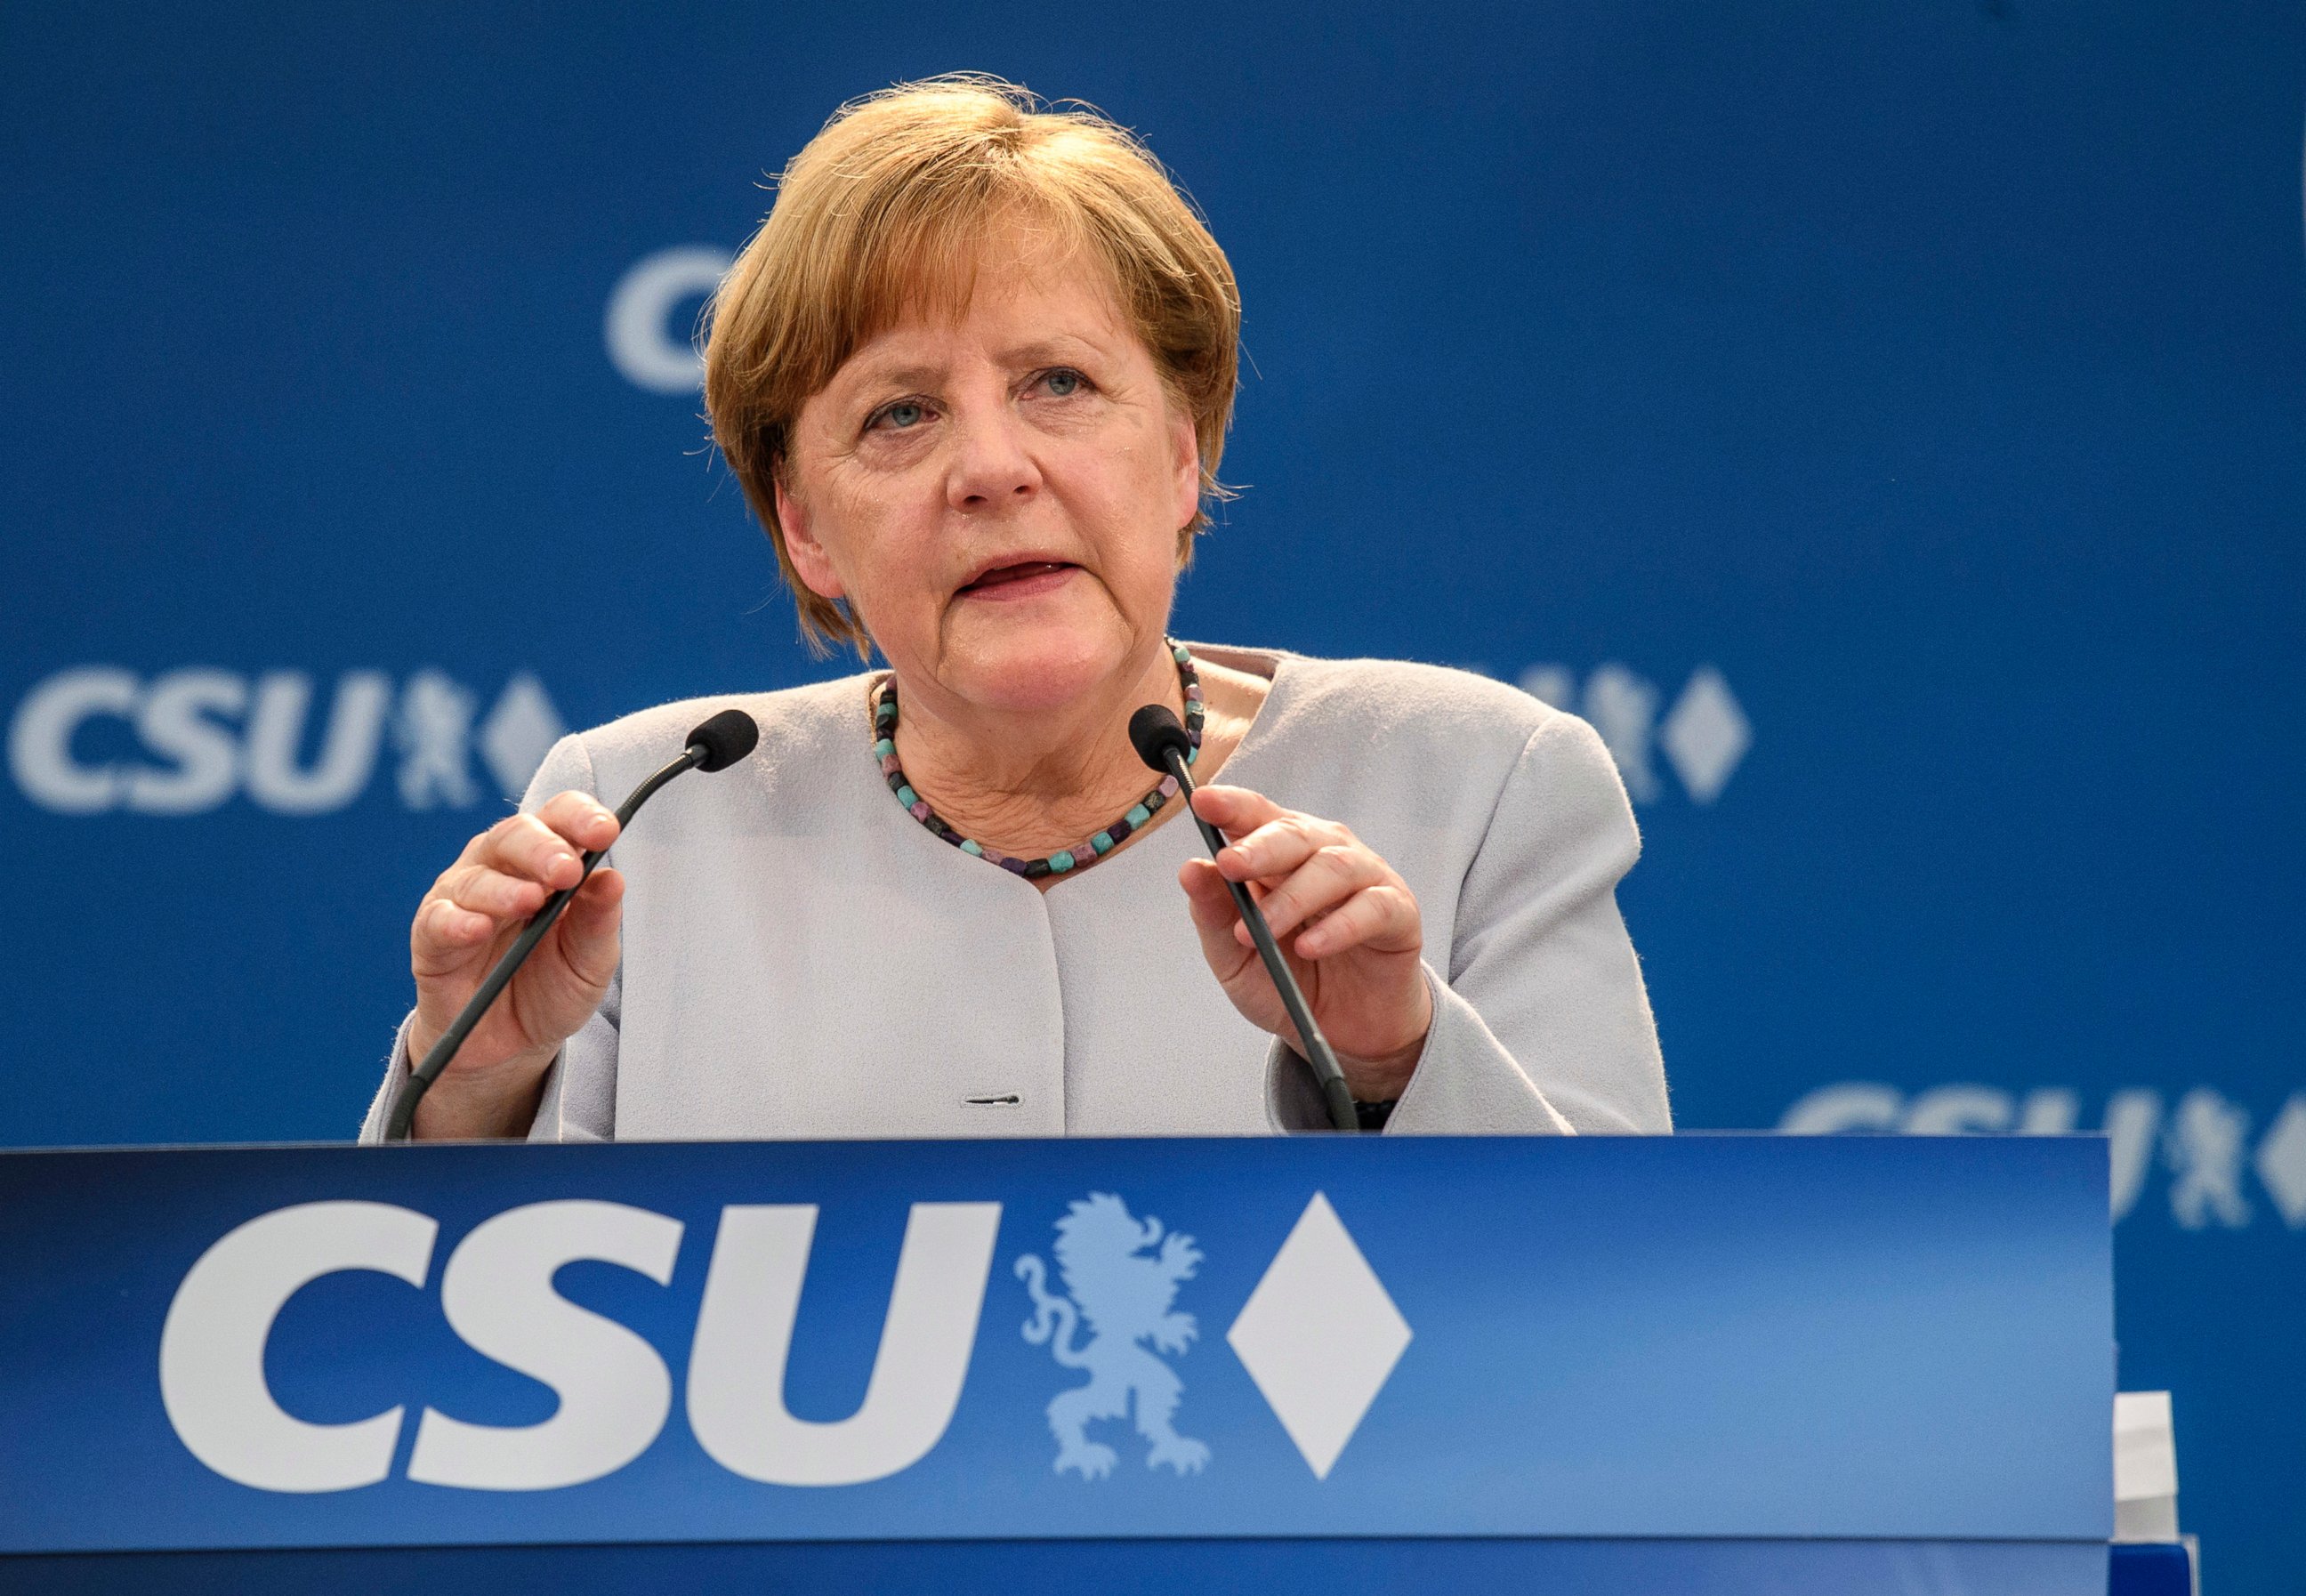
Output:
x=992 y=466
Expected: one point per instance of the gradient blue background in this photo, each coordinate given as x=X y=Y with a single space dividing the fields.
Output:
x=1705 y=1336
x=1937 y=371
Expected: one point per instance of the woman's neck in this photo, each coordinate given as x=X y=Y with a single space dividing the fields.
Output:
x=1029 y=785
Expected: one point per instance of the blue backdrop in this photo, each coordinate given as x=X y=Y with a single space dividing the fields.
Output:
x=1888 y=424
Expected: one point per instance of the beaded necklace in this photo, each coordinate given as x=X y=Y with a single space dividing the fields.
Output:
x=1081 y=856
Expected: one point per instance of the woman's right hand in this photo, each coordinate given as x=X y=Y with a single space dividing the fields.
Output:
x=473 y=914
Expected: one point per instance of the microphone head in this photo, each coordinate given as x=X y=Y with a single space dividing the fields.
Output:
x=1154 y=731
x=727 y=738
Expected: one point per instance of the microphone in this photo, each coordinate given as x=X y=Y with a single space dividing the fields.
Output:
x=1165 y=745
x=715 y=746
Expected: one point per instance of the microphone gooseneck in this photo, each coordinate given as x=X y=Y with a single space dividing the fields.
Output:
x=715 y=746
x=1163 y=744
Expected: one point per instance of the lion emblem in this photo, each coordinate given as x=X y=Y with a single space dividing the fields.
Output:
x=1120 y=1287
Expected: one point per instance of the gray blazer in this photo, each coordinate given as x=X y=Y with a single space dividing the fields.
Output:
x=803 y=959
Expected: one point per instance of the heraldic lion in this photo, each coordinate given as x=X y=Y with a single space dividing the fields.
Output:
x=1123 y=1297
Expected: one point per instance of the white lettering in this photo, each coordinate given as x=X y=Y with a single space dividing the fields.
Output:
x=212 y=1345
x=174 y=724
x=1957 y=1110
x=347 y=752
x=1850 y=1106
x=638 y=327
x=615 y=1393
x=39 y=738
x=2131 y=1118
x=744 y=1334
x=2049 y=1111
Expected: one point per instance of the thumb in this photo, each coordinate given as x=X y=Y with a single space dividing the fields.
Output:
x=1215 y=917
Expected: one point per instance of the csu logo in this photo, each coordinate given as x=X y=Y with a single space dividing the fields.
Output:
x=614 y=1390
x=2209 y=1144
x=98 y=738
x=1318 y=1337
x=1123 y=1297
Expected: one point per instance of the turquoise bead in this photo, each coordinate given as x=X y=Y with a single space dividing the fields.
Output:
x=1141 y=814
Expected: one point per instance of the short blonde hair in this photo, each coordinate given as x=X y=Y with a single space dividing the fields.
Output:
x=879 y=216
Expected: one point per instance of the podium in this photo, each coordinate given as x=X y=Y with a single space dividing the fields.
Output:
x=1703 y=1364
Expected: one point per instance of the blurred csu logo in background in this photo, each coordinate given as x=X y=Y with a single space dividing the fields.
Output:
x=2204 y=1143
x=652 y=316
x=98 y=740
x=1703 y=737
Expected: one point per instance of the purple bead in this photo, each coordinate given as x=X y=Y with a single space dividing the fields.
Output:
x=1015 y=866
x=1169 y=787
x=920 y=810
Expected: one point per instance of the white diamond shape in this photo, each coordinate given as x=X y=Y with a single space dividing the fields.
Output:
x=1320 y=1336
x=2281 y=1161
x=1706 y=734
x=518 y=733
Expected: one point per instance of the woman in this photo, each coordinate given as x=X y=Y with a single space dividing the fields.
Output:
x=974 y=374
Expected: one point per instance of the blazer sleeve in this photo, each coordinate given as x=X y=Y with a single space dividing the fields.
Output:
x=1541 y=1023
x=580 y=1087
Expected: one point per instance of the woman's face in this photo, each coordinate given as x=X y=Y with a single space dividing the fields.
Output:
x=998 y=497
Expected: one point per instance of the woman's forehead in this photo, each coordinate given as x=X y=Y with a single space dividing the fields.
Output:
x=1026 y=305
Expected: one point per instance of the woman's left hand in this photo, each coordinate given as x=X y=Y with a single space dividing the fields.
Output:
x=1345 y=920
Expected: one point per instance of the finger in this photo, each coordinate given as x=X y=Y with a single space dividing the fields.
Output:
x=1333 y=874
x=1215 y=919
x=488 y=891
x=523 y=845
x=588 y=929
x=444 y=937
x=1234 y=810
x=1383 y=916
x=1277 y=847
x=579 y=819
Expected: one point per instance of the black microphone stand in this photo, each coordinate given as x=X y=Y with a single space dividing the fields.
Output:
x=1161 y=742
x=714 y=745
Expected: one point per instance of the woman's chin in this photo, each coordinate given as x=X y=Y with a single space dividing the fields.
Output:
x=1025 y=658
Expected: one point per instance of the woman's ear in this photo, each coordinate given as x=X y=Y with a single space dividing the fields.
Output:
x=801 y=548
x=1185 y=463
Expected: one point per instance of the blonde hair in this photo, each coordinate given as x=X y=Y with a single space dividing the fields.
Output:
x=879 y=217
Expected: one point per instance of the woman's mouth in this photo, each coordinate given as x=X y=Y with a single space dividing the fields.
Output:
x=1021 y=580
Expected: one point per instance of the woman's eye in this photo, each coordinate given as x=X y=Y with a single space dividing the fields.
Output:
x=902 y=414
x=1062 y=385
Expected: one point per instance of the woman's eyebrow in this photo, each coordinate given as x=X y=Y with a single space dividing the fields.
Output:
x=1042 y=350
x=912 y=375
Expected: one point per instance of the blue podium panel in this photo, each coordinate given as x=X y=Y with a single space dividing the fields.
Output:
x=1700 y=1339
x=1401 y=1567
